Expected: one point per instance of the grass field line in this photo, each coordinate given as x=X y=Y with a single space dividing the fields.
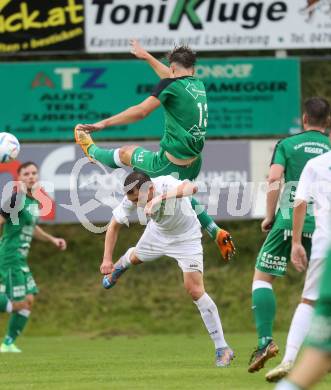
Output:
x=134 y=362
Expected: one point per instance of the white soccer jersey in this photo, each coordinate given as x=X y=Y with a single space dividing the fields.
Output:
x=315 y=185
x=175 y=217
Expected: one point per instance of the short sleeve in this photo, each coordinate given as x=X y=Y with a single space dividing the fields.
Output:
x=279 y=156
x=162 y=90
x=122 y=212
x=8 y=206
x=306 y=184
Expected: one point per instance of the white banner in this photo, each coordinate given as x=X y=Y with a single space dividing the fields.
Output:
x=207 y=24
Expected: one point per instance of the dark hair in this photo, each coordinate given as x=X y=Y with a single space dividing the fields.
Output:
x=182 y=55
x=135 y=180
x=25 y=165
x=317 y=110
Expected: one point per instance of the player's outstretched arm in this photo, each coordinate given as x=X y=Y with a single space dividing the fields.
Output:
x=131 y=115
x=184 y=189
x=107 y=264
x=274 y=186
x=159 y=68
x=41 y=235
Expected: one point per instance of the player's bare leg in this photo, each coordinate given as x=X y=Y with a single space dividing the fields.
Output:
x=9 y=306
x=20 y=314
x=114 y=158
x=312 y=367
x=193 y=282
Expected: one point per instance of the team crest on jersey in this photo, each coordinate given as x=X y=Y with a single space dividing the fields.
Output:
x=140 y=157
x=197 y=133
x=193 y=91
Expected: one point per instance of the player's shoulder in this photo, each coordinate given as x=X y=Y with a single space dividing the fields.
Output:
x=304 y=136
x=167 y=180
x=126 y=202
x=293 y=138
x=162 y=85
x=174 y=83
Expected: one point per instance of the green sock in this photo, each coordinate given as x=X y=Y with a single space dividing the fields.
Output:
x=264 y=308
x=3 y=303
x=205 y=220
x=17 y=322
x=105 y=156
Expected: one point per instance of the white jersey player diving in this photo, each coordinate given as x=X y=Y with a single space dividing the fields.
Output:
x=173 y=230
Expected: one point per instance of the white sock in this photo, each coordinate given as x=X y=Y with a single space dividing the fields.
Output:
x=25 y=313
x=300 y=325
x=211 y=319
x=117 y=159
x=260 y=284
x=286 y=385
x=9 y=307
x=125 y=259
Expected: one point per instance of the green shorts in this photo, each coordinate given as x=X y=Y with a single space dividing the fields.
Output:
x=156 y=164
x=276 y=251
x=16 y=283
x=320 y=332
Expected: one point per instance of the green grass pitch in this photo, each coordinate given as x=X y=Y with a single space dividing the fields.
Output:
x=121 y=362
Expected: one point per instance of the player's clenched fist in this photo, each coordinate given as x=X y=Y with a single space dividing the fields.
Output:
x=137 y=50
x=299 y=257
x=106 y=267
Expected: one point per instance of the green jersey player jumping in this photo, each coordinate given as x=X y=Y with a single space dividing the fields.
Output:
x=184 y=100
x=290 y=157
x=19 y=219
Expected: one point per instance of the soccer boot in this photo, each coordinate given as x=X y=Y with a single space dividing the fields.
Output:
x=224 y=357
x=84 y=140
x=279 y=372
x=260 y=356
x=225 y=244
x=110 y=280
x=11 y=348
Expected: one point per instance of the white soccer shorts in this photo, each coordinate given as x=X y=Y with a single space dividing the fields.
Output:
x=312 y=281
x=188 y=252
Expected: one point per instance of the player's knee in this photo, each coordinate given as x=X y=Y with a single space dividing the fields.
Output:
x=125 y=153
x=30 y=300
x=260 y=276
x=195 y=291
x=134 y=260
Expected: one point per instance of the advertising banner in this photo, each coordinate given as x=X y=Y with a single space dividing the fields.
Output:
x=41 y=26
x=246 y=97
x=207 y=25
x=87 y=193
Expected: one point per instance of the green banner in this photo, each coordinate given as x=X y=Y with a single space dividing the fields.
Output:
x=246 y=97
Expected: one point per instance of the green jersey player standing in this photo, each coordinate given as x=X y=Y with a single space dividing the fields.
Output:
x=290 y=157
x=184 y=100
x=19 y=219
